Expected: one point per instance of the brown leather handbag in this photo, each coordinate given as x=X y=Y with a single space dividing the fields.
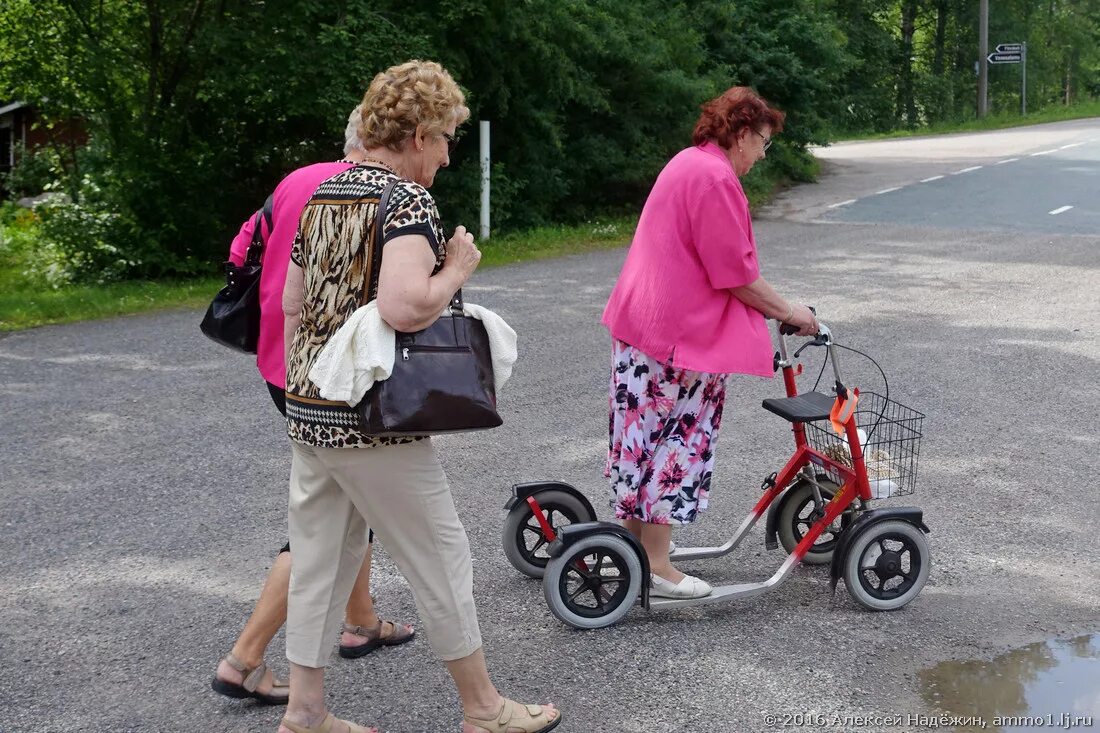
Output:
x=442 y=379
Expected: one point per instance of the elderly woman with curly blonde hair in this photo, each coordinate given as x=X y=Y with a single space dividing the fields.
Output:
x=342 y=479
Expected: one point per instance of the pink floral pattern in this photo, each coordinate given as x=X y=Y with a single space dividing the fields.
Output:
x=663 y=428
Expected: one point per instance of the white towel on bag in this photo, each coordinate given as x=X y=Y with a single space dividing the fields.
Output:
x=361 y=353
x=502 y=342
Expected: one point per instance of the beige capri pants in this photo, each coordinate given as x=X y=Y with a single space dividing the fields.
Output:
x=402 y=492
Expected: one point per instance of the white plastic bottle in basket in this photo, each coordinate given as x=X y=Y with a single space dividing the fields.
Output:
x=881 y=488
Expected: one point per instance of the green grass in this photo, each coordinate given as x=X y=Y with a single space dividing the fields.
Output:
x=991 y=122
x=26 y=305
x=556 y=241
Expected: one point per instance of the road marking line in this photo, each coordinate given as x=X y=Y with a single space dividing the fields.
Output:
x=1059 y=210
x=1073 y=145
x=933 y=178
x=842 y=203
x=887 y=190
x=1044 y=152
x=1006 y=160
x=967 y=170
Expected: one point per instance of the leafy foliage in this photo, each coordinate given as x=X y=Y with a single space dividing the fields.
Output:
x=195 y=108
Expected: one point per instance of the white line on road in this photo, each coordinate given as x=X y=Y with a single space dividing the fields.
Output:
x=967 y=170
x=887 y=190
x=1044 y=152
x=1072 y=145
x=1060 y=210
x=1006 y=160
x=933 y=178
x=842 y=203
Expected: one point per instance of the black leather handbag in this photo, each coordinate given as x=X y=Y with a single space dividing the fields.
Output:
x=233 y=318
x=442 y=379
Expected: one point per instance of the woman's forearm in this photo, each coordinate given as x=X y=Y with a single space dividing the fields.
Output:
x=293 y=298
x=410 y=298
x=422 y=306
x=760 y=295
x=290 y=326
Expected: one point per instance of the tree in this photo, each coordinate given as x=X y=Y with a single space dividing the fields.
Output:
x=194 y=108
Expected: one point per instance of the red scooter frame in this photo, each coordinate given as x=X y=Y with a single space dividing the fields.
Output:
x=806 y=464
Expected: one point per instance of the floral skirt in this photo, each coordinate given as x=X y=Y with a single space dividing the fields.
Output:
x=663 y=429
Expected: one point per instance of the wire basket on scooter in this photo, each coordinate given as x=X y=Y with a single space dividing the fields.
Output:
x=891 y=448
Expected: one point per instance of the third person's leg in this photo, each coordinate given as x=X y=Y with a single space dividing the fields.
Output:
x=364 y=631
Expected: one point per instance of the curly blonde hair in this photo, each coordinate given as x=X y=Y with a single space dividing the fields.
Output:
x=404 y=96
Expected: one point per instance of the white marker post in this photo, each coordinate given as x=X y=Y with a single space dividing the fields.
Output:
x=483 y=126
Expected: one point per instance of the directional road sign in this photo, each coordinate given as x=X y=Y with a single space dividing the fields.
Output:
x=1010 y=47
x=1005 y=58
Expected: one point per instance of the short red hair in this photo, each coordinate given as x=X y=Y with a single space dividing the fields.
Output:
x=731 y=113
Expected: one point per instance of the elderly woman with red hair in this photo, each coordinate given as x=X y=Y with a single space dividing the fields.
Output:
x=688 y=310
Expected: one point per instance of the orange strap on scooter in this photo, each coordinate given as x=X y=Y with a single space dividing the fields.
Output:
x=843 y=410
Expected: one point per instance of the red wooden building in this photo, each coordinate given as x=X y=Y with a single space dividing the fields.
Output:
x=19 y=130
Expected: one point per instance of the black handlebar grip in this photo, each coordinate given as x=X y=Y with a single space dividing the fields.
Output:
x=788 y=330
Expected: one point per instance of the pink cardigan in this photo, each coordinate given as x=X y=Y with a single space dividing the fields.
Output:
x=291 y=196
x=694 y=242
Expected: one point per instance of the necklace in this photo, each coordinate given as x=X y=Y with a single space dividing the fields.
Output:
x=381 y=164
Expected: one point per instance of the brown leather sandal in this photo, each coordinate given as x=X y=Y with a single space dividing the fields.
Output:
x=253 y=677
x=517 y=718
x=401 y=634
x=326 y=726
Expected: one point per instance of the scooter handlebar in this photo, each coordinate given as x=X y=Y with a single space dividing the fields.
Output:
x=824 y=337
x=788 y=330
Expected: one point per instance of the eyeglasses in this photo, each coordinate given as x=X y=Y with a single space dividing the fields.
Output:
x=767 y=140
x=452 y=142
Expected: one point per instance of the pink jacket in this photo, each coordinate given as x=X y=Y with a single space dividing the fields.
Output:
x=694 y=242
x=291 y=196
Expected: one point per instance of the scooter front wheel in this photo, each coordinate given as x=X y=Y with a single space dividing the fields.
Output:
x=887 y=565
x=799 y=511
x=594 y=582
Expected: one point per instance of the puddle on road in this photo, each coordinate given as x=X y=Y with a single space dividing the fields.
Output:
x=1053 y=685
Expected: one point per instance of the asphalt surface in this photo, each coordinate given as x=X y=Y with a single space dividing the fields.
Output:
x=143 y=491
x=1055 y=189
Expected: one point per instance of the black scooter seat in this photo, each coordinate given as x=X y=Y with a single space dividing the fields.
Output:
x=808 y=407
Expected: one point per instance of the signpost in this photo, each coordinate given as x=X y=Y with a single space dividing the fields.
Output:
x=1013 y=53
x=983 y=52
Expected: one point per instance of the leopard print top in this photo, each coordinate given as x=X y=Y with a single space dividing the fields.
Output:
x=334 y=249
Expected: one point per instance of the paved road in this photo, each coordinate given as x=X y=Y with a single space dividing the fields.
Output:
x=143 y=490
x=1055 y=188
x=1008 y=179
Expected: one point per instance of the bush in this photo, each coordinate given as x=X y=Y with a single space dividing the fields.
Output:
x=38 y=170
x=85 y=243
x=19 y=234
x=60 y=242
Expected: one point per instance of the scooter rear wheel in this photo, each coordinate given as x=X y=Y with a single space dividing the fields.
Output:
x=594 y=582
x=524 y=542
x=887 y=565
